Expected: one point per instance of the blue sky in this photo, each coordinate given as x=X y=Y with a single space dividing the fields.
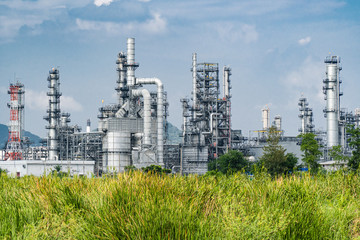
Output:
x=275 y=49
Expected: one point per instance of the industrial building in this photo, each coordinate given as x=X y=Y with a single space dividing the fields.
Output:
x=132 y=132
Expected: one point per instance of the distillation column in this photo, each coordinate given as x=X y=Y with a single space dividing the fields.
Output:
x=54 y=114
x=14 y=146
x=265 y=117
x=332 y=95
x=194 y=91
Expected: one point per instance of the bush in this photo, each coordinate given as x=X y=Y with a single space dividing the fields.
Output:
x=230 y=162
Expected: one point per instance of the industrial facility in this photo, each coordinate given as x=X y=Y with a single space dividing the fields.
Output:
x=133 y=131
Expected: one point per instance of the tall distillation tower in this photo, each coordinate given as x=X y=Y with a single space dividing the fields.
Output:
x=332 y=93
x=14 y=149
x=53 y=116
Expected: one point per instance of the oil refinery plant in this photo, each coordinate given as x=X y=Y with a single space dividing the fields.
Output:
x=133 y=132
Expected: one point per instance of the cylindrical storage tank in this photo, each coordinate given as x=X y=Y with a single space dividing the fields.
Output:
x=117 y=151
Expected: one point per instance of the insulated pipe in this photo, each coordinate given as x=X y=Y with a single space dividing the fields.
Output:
x=147 y=112
x=131 y=61
x=194 y=82
x=160 y=123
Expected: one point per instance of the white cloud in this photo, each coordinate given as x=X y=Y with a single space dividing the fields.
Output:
x=307 y=79
x=68 y=103
x=102 y=2
x=304 y=41
x=39 y=101
x=9 y=26
x=35 y=100
x=155 y=25
x=230 y=32
x=144 y=0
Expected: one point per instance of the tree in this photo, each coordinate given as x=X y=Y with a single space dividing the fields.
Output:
x=291 y=161
x=274 y=158
x=230 y=162
x=311 y=153
x=354 y=143
x=336 y=153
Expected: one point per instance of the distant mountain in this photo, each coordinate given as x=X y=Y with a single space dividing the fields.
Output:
x=173 y=135
x=4 y=134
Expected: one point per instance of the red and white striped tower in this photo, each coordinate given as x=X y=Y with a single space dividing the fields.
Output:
x=14 y=147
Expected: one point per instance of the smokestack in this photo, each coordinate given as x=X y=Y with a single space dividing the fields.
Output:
x=131 y=61
x=88 y=126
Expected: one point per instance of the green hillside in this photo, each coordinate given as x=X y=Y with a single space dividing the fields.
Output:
x=4 y=133
x=173 y=135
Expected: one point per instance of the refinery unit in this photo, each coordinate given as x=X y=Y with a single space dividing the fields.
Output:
x=133 y=132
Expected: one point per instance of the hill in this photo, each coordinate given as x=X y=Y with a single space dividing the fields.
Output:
x=4 y=134
x=173 y=135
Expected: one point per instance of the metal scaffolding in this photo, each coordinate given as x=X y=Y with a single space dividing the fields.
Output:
x=207 y=122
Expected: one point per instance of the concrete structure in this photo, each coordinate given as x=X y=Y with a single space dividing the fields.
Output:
x=38 y=168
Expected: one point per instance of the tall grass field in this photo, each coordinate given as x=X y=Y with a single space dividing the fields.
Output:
x=137 y=205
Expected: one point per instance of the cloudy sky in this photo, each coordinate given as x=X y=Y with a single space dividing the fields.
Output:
x=276 y=50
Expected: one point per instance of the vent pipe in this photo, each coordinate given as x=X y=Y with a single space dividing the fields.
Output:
x=160 y=109
x=147 y=113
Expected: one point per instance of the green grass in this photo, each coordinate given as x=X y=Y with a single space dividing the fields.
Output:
x=143 y=206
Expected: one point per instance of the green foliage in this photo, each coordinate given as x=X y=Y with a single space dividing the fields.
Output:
x=291 y=161
x=274 y=158
x=130 y=168
x=311 y=153
x=156 y=169
x=57 y=172
x=149 y=206
x=336 y=153
x=230 y=162
x=3 y=171
x=354 y=143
